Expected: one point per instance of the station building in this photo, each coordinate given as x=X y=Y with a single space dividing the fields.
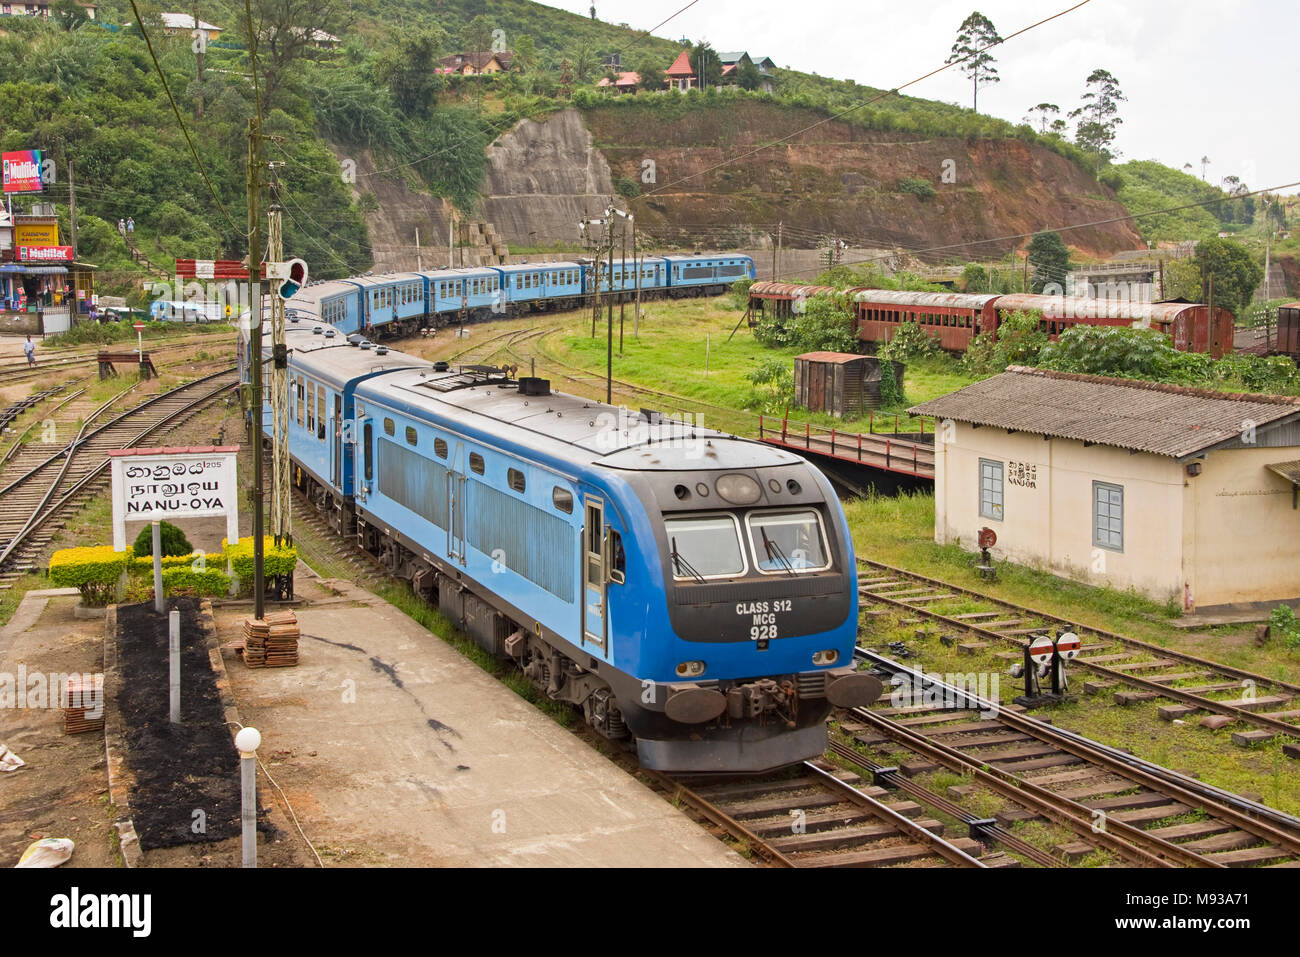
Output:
x=1174 y=491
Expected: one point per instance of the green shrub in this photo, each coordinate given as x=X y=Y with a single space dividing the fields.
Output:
x=94 y=571
x=917 y=186
x=627 y=187
x=280 y=560
x=184 y=580
x=910 y=342
x=1283 y=624
x=171 y=539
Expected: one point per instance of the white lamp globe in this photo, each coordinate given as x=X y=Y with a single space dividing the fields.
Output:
x=248 y=740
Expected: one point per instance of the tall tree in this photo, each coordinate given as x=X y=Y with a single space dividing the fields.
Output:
x=409 y=69
x=525 y=53
x=748 y=77
x=284 y=29
x=1047 y=112
x=1205 y=161
x=476 y=36
x=1236 y=273
x=975 y=35
x=1098 y=116
x=651 y=74
x=1049 y=259
x=706 y=65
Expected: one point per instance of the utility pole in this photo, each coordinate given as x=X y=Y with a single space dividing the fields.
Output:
x=254 y=187
x=609 y=317
x=636 y=317
x=780 y=230
x=622 y=295
x=419 y=265
x=281 y=518
x=72 y=210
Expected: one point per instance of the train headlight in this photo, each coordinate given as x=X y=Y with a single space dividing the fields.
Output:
x=738 y=489
x=827 y=657
x=690 y=669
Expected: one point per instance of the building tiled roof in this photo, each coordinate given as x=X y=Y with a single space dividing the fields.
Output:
x=1288 y=470
x=1125 y=413
x=681 y=66
x=624 y=79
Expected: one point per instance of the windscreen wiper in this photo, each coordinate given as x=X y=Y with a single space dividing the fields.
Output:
x=774 y=549
x=679 y=563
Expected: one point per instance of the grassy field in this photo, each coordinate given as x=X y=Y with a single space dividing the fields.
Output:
x=684 y=348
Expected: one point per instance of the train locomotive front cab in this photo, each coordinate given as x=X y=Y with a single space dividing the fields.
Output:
x=749 y=640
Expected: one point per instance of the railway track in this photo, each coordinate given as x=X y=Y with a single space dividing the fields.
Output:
x=58 y=362
x=42 y=479
x=1130 y=669
x=825 y=816
x=1141 y=814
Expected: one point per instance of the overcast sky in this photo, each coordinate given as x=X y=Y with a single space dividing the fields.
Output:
x=1209 y=78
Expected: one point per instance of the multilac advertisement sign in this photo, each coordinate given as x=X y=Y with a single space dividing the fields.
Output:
x=172 y=483
x=22 y=171
x=44 y=253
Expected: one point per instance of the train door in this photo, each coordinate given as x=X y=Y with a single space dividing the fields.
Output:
x=456 y=506
x=338 y=441
x=594 y=611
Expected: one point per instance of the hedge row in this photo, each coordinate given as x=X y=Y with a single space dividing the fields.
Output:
x=95 y=570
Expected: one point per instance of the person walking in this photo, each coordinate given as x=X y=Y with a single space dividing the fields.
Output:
x=29 y=347
x=121 y=227
x=130 y=225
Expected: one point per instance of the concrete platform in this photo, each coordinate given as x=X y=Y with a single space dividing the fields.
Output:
x=396 y=750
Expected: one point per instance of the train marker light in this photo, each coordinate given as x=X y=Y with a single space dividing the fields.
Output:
x=690 y=669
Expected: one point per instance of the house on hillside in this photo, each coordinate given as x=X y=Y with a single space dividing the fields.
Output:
x=680 y=76
x=625 y=83
x=1175 y=491
x=473 y=64
x=177 y=24
x=733 y=62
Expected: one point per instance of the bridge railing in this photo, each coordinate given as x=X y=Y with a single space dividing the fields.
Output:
x=898 y=452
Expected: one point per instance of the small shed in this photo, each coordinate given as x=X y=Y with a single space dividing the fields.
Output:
x=841 y=383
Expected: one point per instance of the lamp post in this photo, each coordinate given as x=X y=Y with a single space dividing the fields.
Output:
x=248 y=740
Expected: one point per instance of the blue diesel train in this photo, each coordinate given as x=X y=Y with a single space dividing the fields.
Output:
x=689 y=590
x=401 y=303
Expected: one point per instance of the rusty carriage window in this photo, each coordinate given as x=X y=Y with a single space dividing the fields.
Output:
x=515 y=479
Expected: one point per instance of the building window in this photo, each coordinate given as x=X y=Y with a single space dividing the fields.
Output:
x=1108 y=516
x=990 y=489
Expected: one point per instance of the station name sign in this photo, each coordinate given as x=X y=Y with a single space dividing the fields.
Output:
x=174 y=483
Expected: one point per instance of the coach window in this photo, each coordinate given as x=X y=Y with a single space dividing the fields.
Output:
x=515 y=479
x=1108 y=516
x=616 y=559
x=704 y=546
x=440 y=448
x=320 y=413
x=562 y=499
x=389 y=427
x=300 y=401
x=311 y=406
x=991 y=489
x=411 y=437
x=368 y=437
x=476 y=463
x=787 y=541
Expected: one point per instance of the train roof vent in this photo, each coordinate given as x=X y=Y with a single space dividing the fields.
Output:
x=355 y=338
x=381 y=350
x=316 y=330
x=441 y=366
x=329 y=333
x=364 y=344
x=531 y=385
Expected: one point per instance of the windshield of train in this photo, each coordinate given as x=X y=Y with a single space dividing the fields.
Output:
x=705 y=546
x=787 y=541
